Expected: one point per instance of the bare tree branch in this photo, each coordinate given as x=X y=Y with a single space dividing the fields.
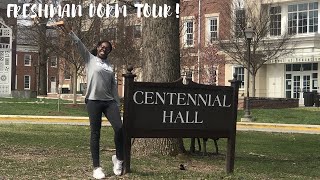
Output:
x=264 y=47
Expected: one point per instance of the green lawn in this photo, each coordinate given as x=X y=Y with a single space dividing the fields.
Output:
x=42 y=107
x=62 y=152
x=33 y=100
x=49 y=107
x=301 y=115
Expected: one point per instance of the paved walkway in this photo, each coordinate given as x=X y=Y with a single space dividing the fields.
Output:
x=273 y=127
x=241 y=126
x=70 y=120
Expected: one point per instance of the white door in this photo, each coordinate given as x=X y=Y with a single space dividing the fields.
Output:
x=296 y=87
x=306 y=83
x=301 y=84
x=53 y=87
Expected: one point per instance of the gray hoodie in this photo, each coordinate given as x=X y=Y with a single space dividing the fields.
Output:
x=101 y=82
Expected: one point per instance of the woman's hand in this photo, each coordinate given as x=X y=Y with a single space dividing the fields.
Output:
x=63 y=25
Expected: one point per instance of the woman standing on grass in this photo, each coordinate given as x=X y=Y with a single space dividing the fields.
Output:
x=101 y=97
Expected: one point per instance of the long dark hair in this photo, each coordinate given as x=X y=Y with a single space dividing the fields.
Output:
x=94 y=50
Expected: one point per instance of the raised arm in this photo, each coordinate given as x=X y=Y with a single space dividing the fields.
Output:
x=84 y=52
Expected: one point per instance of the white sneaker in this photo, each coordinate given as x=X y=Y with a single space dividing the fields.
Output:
x=117 y=165
x=98 y=174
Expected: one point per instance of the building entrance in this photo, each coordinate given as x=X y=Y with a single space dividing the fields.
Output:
x=301 y=78
x=301 y=84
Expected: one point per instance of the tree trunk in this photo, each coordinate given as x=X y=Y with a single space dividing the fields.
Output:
x=74 y=89
x=43 y=56
x=161 y=55
x=42 y=76
x=161 y=51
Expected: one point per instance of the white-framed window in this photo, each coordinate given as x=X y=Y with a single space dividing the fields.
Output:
x=67 y=73
x=189 y=32
x=27 y=60
x=275 y=21
x=239 y=70
x=188 y=71
x=27 y=80
x=303 y=18
x=53 y=61
x=212 y=25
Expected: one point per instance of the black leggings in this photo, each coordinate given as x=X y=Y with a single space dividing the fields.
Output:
x=111 y=111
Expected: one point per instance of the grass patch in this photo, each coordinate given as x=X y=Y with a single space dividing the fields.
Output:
x=62 y=152
x=49 y=107
x=301 y=115
x=42 y=107
x=33 y=100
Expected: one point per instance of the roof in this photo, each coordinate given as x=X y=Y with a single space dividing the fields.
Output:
x=25 y=36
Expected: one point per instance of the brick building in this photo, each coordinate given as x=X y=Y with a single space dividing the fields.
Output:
x=27 y=64
x=288 y=76
x=202 y=23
